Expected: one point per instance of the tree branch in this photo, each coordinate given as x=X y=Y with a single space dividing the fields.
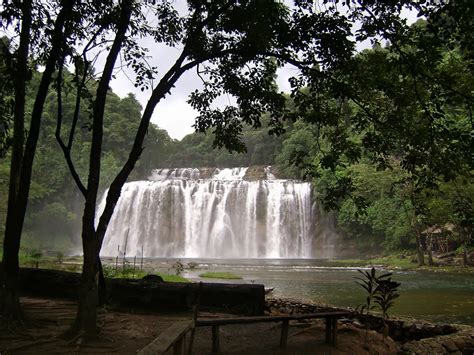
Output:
x=66 y=149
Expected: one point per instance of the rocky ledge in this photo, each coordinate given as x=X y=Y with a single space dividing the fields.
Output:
x=414 y=337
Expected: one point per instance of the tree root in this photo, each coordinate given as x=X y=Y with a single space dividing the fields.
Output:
x=12 y=325
x=25 y=346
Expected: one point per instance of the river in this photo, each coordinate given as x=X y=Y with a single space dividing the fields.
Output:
x=433 y=296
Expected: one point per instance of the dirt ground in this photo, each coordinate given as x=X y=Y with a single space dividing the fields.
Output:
x=127 y=332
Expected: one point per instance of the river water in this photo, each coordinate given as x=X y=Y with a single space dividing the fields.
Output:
x=432 y=296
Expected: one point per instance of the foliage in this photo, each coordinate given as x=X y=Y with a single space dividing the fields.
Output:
x=385 y=295
x=389 y=152
x=220 y=275
x=370 y=283
x=131 y=273
x=178 y=267
x=387 y=104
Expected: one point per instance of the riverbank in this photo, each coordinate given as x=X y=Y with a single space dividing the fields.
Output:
x=433 y=296
x=411 y=336
x=402 y=262
x=448 y=262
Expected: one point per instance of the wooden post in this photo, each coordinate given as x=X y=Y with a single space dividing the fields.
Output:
x=334 y=331
x=179 y=348
x=328 y=330
x=197 y=303
x=331 y=330
x=284 y=333
x=215 y=339
x=134 y=261
x=125 y=250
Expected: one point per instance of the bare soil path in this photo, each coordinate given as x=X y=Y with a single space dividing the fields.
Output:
x=127 y=332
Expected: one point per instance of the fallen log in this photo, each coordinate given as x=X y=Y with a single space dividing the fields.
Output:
x=148 y=295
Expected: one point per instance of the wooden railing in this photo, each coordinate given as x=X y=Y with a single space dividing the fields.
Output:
x=330 y=317
x=173 y=337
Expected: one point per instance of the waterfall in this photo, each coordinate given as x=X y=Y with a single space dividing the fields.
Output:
x=212 y=213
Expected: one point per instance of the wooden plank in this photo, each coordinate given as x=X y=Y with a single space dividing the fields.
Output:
x=284 y=334
x=202 y=322
x=215 y=323
x=168 y=338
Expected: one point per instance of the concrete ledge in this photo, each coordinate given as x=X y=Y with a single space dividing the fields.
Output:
x=146 y=295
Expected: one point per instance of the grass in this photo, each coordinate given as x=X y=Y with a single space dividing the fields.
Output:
x=220 y=275
x=173 y=278
x=130 y=273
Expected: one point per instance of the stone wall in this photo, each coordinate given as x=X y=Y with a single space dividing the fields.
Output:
x=148 y=295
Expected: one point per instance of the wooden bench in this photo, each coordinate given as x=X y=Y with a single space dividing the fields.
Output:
x=330 y=317
x=173 y=337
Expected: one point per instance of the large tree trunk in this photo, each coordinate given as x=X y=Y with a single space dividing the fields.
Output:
x=419 y=250
x=86 y=319
x=9 y=299
x=11 y=308
x=88 y=294
x=22 y=158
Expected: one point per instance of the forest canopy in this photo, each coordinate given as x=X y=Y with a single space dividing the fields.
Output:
x=384 y=134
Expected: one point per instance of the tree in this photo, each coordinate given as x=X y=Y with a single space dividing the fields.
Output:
x=34 y=29
x=406 y=105
x=236 y=48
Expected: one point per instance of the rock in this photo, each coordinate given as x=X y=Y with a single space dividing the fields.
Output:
x=460 y=343
x=446 y=255
x=255 y=173
x=450 y=346
x=152 y=278
x=449 y=329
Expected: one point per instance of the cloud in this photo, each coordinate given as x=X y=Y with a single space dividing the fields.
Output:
x=175 y=116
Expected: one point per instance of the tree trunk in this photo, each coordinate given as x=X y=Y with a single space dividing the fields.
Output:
x=419 y=250
x=23 y=157
x=430 y=250
x=86 y=318
x=465 y=261
x=9 y=299
x=102 y=287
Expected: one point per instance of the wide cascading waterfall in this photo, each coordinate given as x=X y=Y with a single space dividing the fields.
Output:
x=198 y=214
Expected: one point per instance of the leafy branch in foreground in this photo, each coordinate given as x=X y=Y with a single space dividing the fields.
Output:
x=380 y=290
x=385 y=294
x=370 y=283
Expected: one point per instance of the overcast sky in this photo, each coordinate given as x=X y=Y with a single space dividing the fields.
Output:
x=173 y=113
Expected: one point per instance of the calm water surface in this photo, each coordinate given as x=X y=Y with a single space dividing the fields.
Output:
x=440 y=297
